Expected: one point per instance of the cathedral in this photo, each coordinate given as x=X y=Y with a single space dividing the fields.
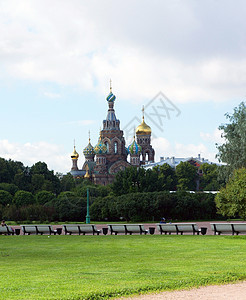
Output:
x=110 y=154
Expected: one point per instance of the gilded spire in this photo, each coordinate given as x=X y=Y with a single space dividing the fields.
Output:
x=110 y=84
x=89 y=136
x=143 y=112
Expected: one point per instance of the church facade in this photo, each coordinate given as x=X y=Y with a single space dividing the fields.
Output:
x=110 y=154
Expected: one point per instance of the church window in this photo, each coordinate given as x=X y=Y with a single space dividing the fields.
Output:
x=107 y=145
x=115 y=147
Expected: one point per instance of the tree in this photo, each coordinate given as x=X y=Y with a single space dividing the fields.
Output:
x=166 y=177
x=231 y=200
x=43 y=197
x=22 y=198
x=186 y=175
x=9 y=187
x=5 y=197
x=209 y=179
x=233 y=151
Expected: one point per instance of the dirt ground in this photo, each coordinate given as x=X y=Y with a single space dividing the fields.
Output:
x=236 y=291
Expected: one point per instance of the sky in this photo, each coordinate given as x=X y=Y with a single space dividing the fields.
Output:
x=185 y=61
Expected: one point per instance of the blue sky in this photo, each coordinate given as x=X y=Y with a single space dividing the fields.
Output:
x=57 y=57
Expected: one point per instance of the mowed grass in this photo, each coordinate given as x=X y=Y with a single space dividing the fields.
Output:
x=100 y=267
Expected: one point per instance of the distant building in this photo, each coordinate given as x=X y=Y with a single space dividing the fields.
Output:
x=109 y=155
x=175 y=161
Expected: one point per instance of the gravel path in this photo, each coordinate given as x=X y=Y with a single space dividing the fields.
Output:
x=235 y=291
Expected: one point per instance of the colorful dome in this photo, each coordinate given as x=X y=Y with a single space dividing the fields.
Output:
x=74 y=155
x=89 y=150
x=111 y=97
x=134 y=148
x=100 y=147
x=143 y=129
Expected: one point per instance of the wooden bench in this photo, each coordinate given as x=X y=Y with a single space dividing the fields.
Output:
x=178 y=228
x=117 y=228
x=228 y=228
x=135 y=228
x=45 y=229
x=127 y=228
x=81 y=229
x=6 y=230
x=38 y=229
x=29 y=229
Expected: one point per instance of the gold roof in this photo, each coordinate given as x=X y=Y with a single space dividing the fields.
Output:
x=74 y=155
x=143 y=128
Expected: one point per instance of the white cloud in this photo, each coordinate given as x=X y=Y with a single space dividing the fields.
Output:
x=213 y=137
x=52 y=95
x=166 y=149
x=30 y=153
x=175 y=50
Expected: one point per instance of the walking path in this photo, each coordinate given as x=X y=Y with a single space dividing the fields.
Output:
x=235 y=291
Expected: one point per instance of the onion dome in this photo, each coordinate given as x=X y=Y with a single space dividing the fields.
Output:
x=87 y=175
x=89 y=150
x=134 y=148
x=111 y=97
x=100 y=147
x=143 y=129
x=74 y=155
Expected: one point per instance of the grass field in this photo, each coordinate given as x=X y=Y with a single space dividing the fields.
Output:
x=99 y=267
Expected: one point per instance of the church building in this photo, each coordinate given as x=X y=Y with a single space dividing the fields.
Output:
x=110 y=154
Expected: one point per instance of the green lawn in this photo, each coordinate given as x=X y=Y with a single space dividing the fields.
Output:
x=99 y=267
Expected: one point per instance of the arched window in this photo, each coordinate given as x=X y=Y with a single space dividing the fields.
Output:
x=115 y=147
x=106 y=143
x=147 y=156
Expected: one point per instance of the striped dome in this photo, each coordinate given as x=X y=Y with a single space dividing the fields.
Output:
x=111 y=97
x=134 y=148
x=89 y=150
x=100 y=147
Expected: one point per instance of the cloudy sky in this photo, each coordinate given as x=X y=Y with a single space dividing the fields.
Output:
x=184 y=60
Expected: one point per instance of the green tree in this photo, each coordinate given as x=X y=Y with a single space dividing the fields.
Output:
x=22 y=198
x=186 y=176
x=43 y=197
x=166 y=177
x=231 y=200
x=233 y=151
x=5 y=197
x=9 y=187
x=209 y=179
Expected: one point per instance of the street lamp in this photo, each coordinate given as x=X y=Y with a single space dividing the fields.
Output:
x=88 y=219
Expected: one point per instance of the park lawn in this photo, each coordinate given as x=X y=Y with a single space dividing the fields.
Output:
x=100 y=267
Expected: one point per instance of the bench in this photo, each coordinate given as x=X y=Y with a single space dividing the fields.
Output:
x=117 y=228
x=231 y=228
x=81 y=228
x=45 y=229
x=178 y=228
x=6 y=230
x=127 y=228
x=29 y=229
x=38 y=229
x=135 y=228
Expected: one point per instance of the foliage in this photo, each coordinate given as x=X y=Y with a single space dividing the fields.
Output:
x=43 y=197
x=9 y=187
x=22 y=198
x=209 y=179
x=150 y=206
x=96 y=267
x=231 y=200
x=5 y=197
x=186 y=176
x=233 y=151
x=166 y=178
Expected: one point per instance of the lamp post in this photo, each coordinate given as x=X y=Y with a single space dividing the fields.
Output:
x=88 y=220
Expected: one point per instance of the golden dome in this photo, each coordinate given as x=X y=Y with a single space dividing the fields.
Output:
x=143 y=128
x=74 y=155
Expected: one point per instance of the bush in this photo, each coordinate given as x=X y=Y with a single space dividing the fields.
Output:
x=5 y=197
x=23 y=198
